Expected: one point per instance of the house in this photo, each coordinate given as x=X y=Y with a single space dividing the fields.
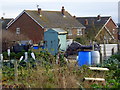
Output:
x=33 y=23
x=100 y=28
x=5 y=22
x=55 y=39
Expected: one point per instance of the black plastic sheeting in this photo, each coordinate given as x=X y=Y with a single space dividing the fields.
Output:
x=75 y=47
x=19 y=48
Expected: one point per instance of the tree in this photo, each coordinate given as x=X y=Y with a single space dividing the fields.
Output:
x=8 y=39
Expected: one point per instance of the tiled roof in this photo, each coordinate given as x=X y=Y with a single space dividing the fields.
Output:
x=54 y=19
x=93 y=21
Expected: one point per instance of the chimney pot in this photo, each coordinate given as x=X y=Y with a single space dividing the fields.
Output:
x=2 y=18
x=98 y=17
x=39 y=11
x=74 y=16
x=63 y=10
x=86 y=22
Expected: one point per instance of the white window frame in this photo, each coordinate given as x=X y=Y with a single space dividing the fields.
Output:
x=114 y=31
x=79 y=31
x=69 y=32
x=17 y=31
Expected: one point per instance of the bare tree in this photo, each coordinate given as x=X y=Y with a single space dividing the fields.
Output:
x=9 y=39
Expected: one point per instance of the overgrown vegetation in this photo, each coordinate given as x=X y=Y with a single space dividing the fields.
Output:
x=82 y=40
x=89 y=36
x=45 y=73
x=113 y=76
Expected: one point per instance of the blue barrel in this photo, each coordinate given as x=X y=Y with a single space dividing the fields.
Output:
x=84 y=58
x=35 y=47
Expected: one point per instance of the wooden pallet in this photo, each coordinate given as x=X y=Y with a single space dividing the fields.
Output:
x=94 y=79
x=98 y=68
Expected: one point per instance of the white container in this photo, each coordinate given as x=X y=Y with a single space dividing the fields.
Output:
x=95 y=57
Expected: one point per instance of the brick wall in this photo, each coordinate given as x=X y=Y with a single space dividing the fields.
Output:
x=28 y=27
x=74 y=33
x=112 y=27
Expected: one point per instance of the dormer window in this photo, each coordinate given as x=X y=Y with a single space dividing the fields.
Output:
x=17 y=31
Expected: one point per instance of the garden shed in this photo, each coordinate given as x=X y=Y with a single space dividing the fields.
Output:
x=55 y=39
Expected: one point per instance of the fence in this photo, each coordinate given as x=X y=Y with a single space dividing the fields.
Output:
x=108 y=49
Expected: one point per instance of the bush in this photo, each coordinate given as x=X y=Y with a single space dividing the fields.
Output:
x=116 y=56
x=82 y=40
x=113 y=78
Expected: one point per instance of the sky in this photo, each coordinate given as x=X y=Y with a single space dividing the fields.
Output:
x=79 y=8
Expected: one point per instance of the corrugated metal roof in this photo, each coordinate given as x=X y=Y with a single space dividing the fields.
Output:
x=54 y=19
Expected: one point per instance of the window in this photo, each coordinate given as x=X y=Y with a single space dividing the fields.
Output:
x=79 y=31
x=69 y=32
x=114 y=31
x=17 y=30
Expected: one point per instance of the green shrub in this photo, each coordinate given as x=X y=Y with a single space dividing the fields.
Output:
x=82 y=40
x=113 y=78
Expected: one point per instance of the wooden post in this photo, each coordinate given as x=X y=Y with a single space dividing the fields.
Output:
x=9 y=57
x=113 y=51
x=104 y=50
x=1 y=60
x=100 y=56
x=93 y=48
x=16 y=71
x=57 y=58
x=118 y=46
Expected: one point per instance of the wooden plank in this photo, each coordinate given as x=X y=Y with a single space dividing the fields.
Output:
x=6 y=60
x=94 y=79
x=99 y=68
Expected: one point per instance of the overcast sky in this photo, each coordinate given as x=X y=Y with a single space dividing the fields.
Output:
x=80 y=8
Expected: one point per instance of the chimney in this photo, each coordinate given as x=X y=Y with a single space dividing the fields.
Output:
x=39 y=11
x=63 y=10
x=86 y=22
x=2 y=18
x=74 y=16
x=98 y=17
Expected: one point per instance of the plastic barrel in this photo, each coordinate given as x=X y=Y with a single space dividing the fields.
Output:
x=95 y=57
x=84 y=58
x=35 y=47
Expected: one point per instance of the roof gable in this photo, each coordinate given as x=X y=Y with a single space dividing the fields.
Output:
x=20 y=16
x=114 y=22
